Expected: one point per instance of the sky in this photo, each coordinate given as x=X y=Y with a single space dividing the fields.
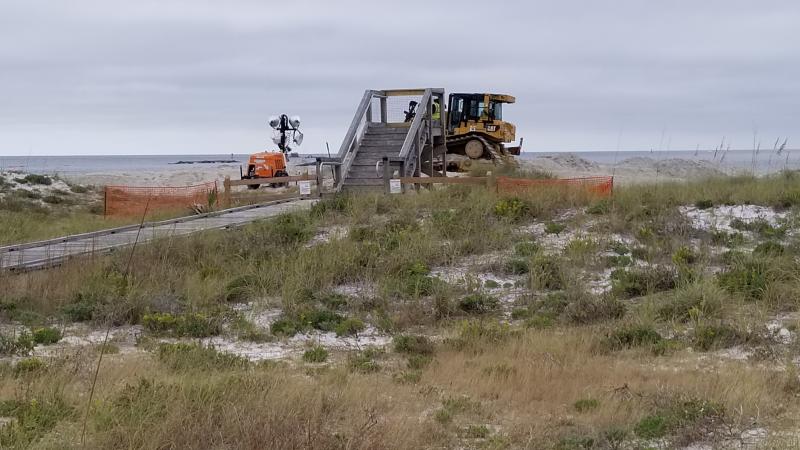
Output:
x=203 y=77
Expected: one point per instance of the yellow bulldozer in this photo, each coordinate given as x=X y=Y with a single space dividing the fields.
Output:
x=476 y=132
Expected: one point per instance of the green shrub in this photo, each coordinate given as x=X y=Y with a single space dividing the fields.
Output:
x=32 y=178
x=288 y=229
x=418 y=362
x=618 y=261
x=478 y=304
x=538 y=321
x=474 y=333
x=619 y=248
x=349 y=327
x=586 y=404
x=188 y=324
x=702 y=297
x=53 y=199
x=749 y=276
x=637 y=282
x=554 y=228
x=684 y=256
x=316 y=354
x=321 y=319
x=81 y=311
x=182 y=357
x=546 y=272
x=241 y=288
x=769 y=248
x=285 y=326
x=516 y=266
x=19 y=345
x=28 y=366
x=475 y=432
x=704 y=204
x=363 y=362
x=526 y=249
x=46 y=335
x=599 y=208
x=584 y=309
x=713 y=337
x=511 y=208
x=491 y=284
x=651 y=427
x=412 y=344
x=632 y=336
x=33 y=419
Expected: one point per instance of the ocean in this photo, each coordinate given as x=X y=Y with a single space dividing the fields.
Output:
x=727 y=161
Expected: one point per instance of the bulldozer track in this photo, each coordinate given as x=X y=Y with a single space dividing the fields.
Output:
x=53 y=252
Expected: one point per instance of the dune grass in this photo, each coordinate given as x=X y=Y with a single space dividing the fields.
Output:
x=567 y=367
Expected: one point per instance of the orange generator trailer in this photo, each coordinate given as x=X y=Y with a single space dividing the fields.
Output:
x=273 y=164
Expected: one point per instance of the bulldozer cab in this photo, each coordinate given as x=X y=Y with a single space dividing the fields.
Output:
x=480 y=113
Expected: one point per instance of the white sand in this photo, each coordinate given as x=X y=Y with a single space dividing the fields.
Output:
x=627 y=171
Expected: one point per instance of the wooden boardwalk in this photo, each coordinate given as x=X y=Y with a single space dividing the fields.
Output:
x=42 y=254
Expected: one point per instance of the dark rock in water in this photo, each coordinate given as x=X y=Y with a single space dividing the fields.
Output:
x=208 y=161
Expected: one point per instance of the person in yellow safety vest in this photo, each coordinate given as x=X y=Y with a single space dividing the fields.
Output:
x=437 y=114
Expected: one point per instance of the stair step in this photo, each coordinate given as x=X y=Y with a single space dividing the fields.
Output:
x=381 y=141
x=363 y=182
x=386 y=132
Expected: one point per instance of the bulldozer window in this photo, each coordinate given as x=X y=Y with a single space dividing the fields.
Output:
x=496 y=111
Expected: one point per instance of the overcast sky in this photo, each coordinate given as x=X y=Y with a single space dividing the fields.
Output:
x=175 y=76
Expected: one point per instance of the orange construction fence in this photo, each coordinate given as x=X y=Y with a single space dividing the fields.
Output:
x=600 y=186
x=136 y=200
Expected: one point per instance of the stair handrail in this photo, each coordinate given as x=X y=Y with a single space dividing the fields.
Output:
x=347 y=150
x=412 y=138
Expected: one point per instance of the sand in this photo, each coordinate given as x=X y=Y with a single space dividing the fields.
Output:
x=177 y=175
x=566 y=165
x=628 y=171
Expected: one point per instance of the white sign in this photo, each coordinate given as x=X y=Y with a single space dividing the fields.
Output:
x=305 y=187
x=395 y=187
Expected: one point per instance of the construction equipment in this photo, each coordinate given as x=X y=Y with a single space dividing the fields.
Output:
x=273 y=164
x=476 y=131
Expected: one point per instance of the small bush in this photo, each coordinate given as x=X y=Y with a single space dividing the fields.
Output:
x=749 y=276
x=684 y=256
x=638 y=282
x=704 y=204
x=511 y=208
x=713 y=337
x=349 y=327
x=538 y=322
x=651 y=427
x=53 y=199
x=554 y=228
x=188 y=324
x=476 y=432
x=412 y=344
x=81 y=311
x=46 y=335
x=34 y=418
x=20 y=345
x=28 y=366
x=418 y=362
x=241 y=288
x=285 y=327
x=182 y=357
x=363 y=362
x=491 y=284
x=474 y=333
x=704 y=298
x=584 y=309
x=526 y=249
x=632 y=336
x=478 y=304
x=316 y=354
x=516 y=266
x=769 y=248
x=586 y=405
x=619 y=248
x=618 y=261
x=546 y=273
x=32 y=178
x=599 y=208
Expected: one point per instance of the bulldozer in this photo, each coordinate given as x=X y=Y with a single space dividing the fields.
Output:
x=273 y=164
x=476 y=132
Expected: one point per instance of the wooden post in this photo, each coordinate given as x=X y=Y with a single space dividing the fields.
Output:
x=369 y=112
x=387 y=175
x=227 y=196
x=320 y=178
x=384 y=113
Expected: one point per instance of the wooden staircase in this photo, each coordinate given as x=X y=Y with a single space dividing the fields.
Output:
x=380 y=140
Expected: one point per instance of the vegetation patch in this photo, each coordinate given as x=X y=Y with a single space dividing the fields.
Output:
x=33 y=419
x=478 y=303
x=316 y=354
x=585 y=405
x=183 y=357
x=708 y=337
x=699 y=299
x=629 y=283
x=46 y=335
x=412 y=344
x=512 y=208
x=19 y=345
x=179 y=325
